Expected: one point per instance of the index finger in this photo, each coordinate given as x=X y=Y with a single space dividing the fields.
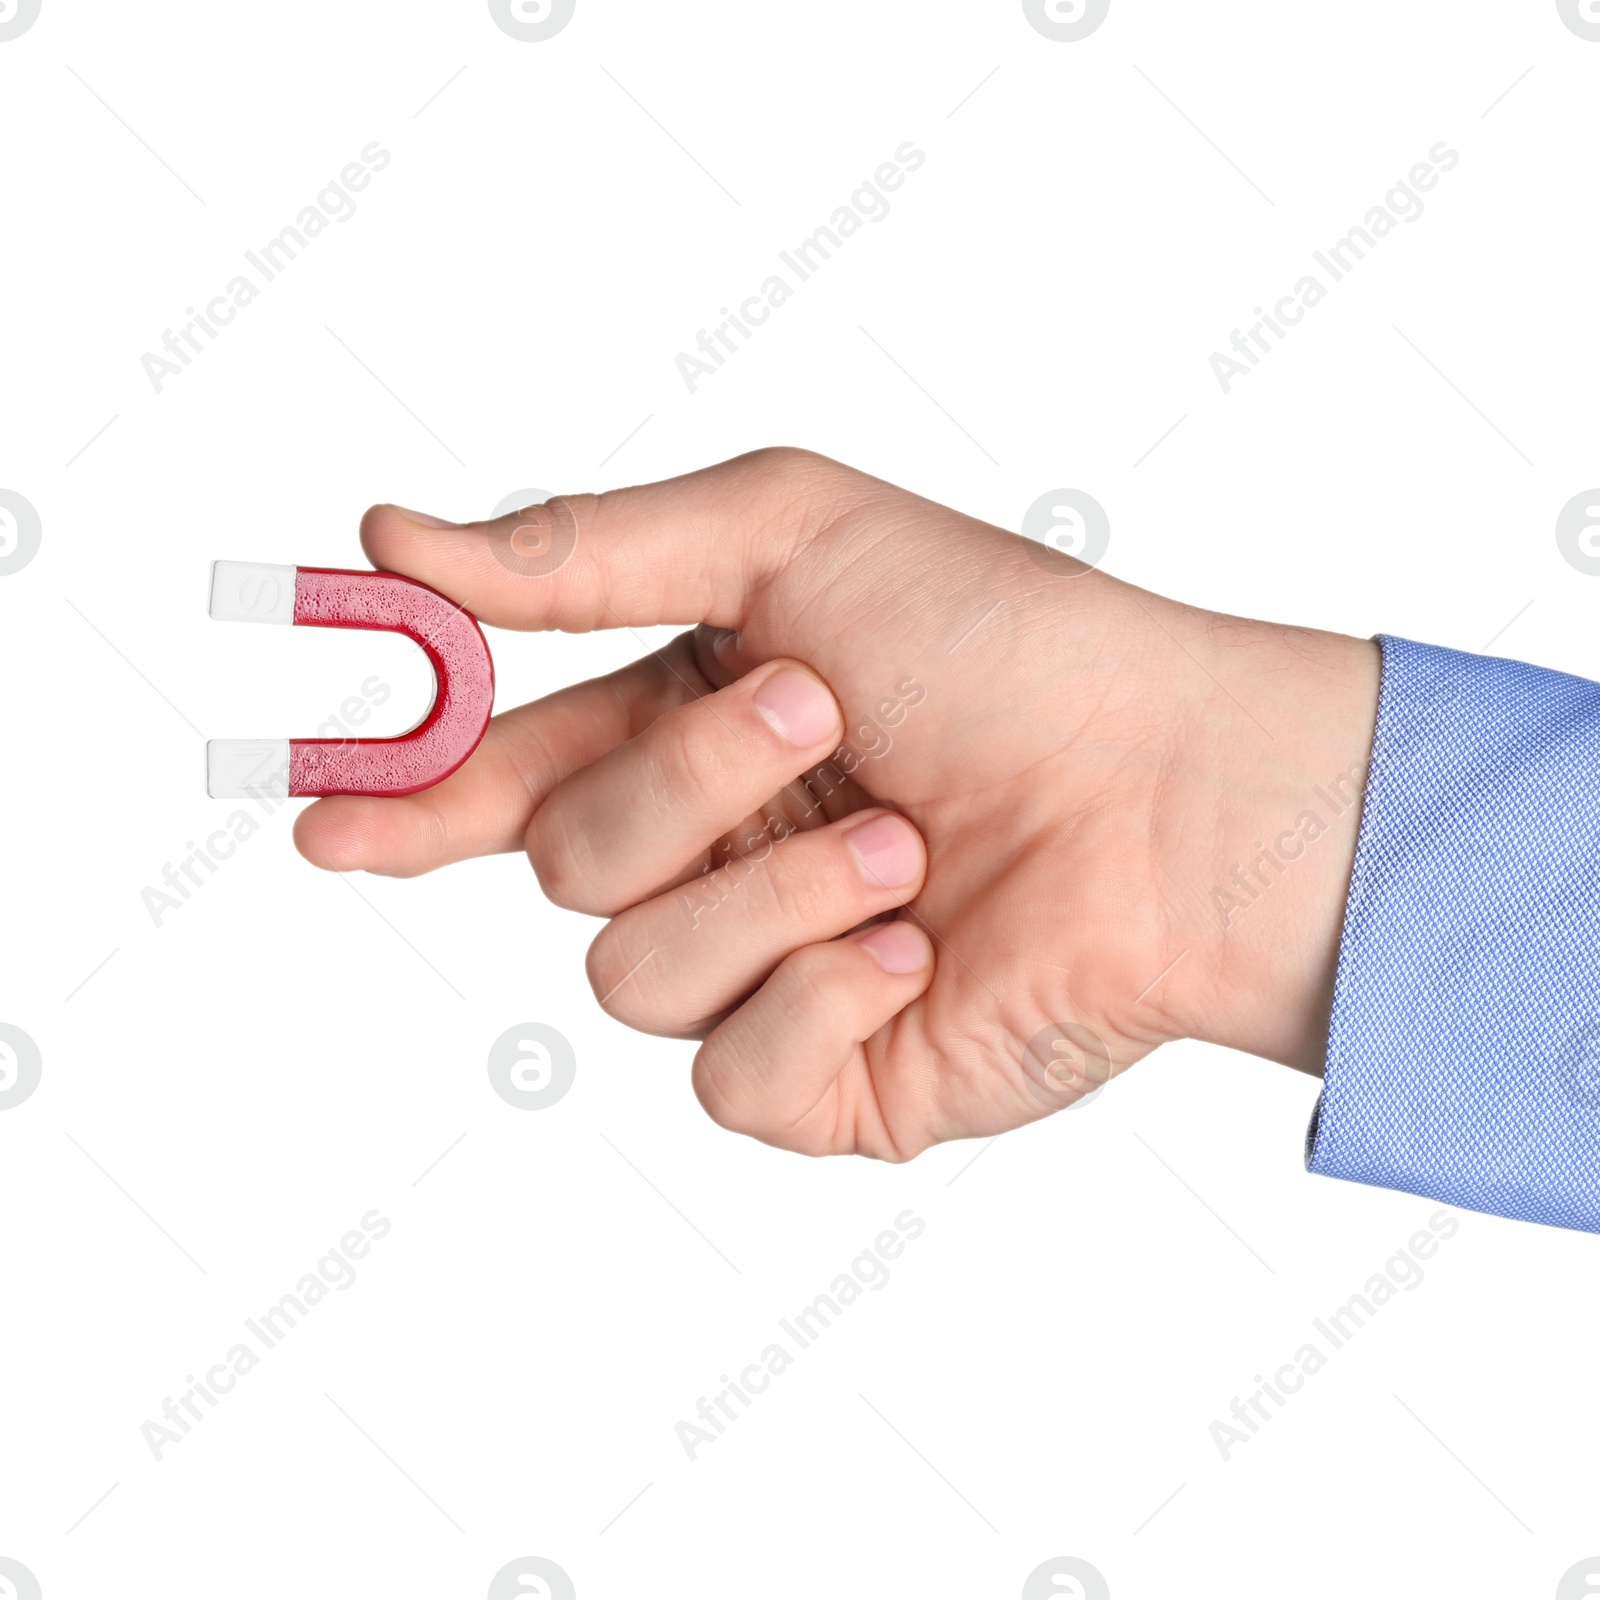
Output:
x=686 y=550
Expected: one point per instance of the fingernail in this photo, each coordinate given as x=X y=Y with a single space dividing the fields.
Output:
x=724 y=643
x=888 y=851
x=898 y=947
x=426 y=520
x=799 y=709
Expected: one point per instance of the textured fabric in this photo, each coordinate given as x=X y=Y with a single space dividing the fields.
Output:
x=1464 y=1053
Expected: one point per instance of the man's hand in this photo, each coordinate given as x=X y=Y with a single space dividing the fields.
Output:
x=925 y=829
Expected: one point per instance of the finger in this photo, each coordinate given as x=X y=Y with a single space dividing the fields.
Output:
x=687 y=550
x=674 y=964
x=721 y=654
x=788 y=1066
x=614 y=832
x=486 y=805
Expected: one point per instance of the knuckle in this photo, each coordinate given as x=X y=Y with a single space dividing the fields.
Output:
x=780 y=459
x=602 y=966
x=583 y=508
x=609 y=967
x=693 y=762
x=814 y=977
x=810 y=488
x=630 y=986
x=721 y=1085
x=796 y=466
x=561 y=862
x=793 y=894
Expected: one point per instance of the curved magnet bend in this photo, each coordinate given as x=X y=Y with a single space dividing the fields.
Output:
x=321 y=597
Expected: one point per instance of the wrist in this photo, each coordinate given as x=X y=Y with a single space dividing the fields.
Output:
x=1286 y=801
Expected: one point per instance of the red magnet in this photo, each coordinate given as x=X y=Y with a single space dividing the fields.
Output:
x=320 y=597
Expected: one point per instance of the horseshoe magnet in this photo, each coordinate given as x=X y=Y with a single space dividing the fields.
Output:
x=322 y=597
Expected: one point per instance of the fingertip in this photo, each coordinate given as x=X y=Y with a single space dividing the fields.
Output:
x=396 y=539
x=799 y=707
x=384 y=531
x=889 y=852
x=336 y=834
x=901 y=949
x=424 y=519
x=492 y=567
x=718 y=654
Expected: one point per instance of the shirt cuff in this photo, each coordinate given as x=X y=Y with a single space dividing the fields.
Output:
x=1464 y=1051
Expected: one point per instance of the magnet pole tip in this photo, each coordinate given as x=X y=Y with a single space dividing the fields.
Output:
x=235 y=767
x=252 y=591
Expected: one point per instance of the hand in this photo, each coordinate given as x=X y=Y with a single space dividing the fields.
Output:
x=925 y=829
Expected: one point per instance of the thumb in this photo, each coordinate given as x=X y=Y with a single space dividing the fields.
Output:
x=683 y=551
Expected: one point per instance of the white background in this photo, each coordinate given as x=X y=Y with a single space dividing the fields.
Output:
x=225 y=1095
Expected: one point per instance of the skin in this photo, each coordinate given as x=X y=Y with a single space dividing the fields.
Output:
x=1067 y=779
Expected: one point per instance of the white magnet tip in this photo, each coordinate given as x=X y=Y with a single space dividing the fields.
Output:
x=236 y=766
x=251 y=591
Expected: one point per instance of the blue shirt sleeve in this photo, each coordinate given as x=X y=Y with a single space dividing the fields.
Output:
x=1464 y=1052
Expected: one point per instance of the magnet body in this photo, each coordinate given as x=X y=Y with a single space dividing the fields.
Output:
x=325 y=597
